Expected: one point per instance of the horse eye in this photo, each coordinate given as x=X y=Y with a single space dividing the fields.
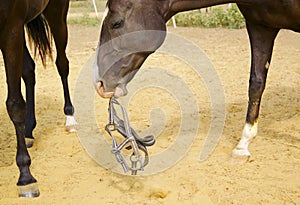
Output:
x=117 y=24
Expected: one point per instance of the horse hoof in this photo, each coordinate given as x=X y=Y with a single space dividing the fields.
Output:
x=238 y=159
x=29 y=191
x=71 y=124
x=72 y=128
x=29 y=142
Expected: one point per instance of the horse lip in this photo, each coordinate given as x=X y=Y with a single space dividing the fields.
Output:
x=101 y=92
x=120 y=91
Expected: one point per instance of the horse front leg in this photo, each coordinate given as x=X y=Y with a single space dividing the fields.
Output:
x=28 y=75
x=262 y=41
x=56 y=13
x=16 y=107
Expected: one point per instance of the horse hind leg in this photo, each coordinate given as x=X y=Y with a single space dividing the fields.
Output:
x=28 y=75
x=262 y=41
x=57 y=22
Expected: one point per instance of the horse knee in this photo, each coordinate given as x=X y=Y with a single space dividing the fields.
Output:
x=16 y=110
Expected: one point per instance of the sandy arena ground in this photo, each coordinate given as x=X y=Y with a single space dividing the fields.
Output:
x=68 y=175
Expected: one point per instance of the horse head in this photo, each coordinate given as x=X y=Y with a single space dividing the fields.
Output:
x=131 y=30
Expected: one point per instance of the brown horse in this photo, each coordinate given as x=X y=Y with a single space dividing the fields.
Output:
x=41 y=19
x=119 y=55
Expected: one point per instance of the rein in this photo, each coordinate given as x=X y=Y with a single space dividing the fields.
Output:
x=136 y=143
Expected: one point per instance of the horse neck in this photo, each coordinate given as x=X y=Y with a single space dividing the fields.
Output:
x=176 y=6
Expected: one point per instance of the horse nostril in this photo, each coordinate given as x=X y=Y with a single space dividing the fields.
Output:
x=101 y=84
x=101 y=92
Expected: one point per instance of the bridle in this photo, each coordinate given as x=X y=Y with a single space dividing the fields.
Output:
x=135 y=142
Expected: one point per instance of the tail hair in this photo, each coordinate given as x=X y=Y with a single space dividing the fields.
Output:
x=40 y=36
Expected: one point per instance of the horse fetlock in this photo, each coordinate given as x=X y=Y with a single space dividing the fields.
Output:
x=69 y=110
x=23 y=162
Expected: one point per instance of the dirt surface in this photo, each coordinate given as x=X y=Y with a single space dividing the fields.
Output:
x=68 y=175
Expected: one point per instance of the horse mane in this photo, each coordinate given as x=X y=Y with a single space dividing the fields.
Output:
x=40 y=36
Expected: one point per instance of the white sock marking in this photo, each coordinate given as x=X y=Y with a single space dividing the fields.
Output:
x=71 y=124
x=249 y=132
